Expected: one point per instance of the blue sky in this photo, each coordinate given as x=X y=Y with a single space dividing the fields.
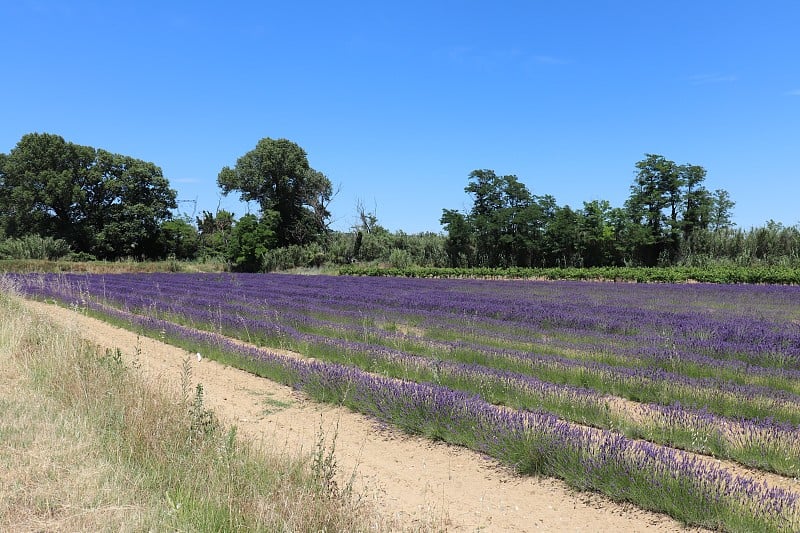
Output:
x=397 y=102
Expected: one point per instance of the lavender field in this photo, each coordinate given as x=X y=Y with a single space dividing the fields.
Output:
x=649 y=393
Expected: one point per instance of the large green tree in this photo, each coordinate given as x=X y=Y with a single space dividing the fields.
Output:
x=460 y=243
x=673 y=209
x=276 y=174
x=106 y=204
x=46 y=189
x=654 y=203
x=721 y=210
x=134 y=201
x=179 y=238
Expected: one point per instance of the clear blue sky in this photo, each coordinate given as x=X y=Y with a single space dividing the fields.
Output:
x=397 y=102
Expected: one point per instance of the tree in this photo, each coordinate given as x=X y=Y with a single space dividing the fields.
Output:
x=106 y=204
x=252 y=237
x=671 y=203
x=215 y=232
x=721 y=210
x=179 y=238
x=134 y=200
x=506 y=219
x=507 y=225
x=45 y=185
x=563 y=238
x=276 y=174
x=459 y=244
x=697 y=200
x=371 y=241
x=656 y=190
x=486 y=189
x=597 y=234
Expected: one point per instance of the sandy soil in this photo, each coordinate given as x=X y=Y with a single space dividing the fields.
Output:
x=415 y=480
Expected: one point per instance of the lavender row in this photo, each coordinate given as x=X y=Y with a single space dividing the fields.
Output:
x=653 y=352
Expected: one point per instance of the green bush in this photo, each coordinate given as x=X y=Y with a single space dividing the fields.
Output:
x=34 y=247
x=400 y=258
x=309 y=255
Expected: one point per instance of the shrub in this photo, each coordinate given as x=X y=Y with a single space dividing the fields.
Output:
x=34 y=247
x=400 y=258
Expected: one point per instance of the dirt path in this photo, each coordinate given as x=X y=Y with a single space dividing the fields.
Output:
x=418 y=481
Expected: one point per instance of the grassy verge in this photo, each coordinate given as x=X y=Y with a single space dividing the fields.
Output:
x=87 y=444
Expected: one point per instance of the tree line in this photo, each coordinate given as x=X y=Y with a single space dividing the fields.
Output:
x=60 y=199
x=668 y=209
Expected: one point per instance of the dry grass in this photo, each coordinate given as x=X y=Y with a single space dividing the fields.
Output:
x=109 y=267
x=87 y=444
x=53 y=475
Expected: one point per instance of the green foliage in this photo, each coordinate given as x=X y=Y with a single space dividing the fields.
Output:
x=400 y=258
x=596 y=234
x=460 y=239
x=34 y=247
x=47 y=187
x=426 y=249
x=179 y=239
x=129 y=225
x=214 y=233
x=276 y=174
x=506 y=219
x=508 y=226
x=338 y=247
x=202 y=421
x=770 y=245
x=288 y=257
x=714 y=274
x=372 y=245
x=324 y=466
x=110 y=207
x=251 y=238
x=101 y=203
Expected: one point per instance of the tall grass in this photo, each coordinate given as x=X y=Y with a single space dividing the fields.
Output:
x=109 y=267
x=98 y=447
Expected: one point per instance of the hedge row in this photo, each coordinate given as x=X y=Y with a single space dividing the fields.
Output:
x=716 y=274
